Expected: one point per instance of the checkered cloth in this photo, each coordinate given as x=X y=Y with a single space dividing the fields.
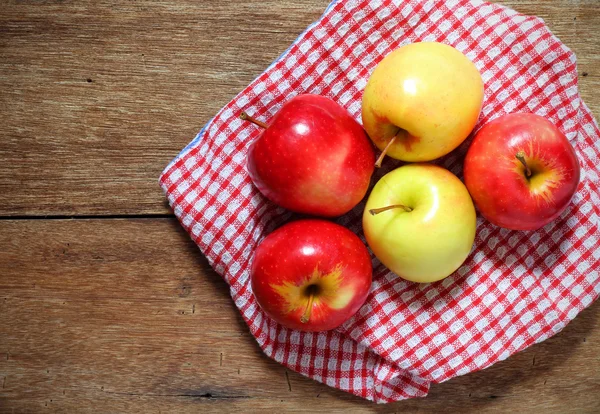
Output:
x=515 y=289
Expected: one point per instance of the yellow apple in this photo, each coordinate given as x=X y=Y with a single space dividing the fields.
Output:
x=420 y=222
x=427 y=95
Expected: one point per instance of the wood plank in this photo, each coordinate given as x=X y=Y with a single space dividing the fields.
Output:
x=96 y=98
x=126 y=315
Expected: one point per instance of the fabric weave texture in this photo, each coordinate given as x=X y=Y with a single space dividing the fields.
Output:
x=515 y=289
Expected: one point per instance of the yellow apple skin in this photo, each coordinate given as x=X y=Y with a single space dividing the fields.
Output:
x=428 y=91
x=430 y=242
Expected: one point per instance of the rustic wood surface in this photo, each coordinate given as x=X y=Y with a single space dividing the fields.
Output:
x=103 y=314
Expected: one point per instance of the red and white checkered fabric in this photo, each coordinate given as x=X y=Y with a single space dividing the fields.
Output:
x=515 y=289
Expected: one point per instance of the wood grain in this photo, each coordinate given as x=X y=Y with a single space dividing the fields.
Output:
x=98 y=96
x=126 y=316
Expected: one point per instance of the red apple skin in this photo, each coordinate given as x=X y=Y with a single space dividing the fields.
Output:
x=311 y=252
x=497 y=180
x=314 y=158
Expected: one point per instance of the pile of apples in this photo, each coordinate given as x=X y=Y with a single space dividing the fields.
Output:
x=420 y=103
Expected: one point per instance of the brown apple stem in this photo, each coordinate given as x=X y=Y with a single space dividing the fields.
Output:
x=521 y=157
x=385 y=150
x=255 y=121
x=374 y=211
x=306 y=315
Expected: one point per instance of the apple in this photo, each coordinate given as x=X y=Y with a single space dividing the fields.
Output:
x=420 y=222
x=312 y=158
x=311 y=274
x=421 y=101
x=521 y=171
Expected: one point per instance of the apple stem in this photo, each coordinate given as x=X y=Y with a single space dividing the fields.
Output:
x=521 y=157
x=306 y=315
x=385 y=150
x=255 y=121
x=375 y=211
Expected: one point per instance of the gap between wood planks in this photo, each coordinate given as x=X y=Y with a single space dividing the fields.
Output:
x=89 y=216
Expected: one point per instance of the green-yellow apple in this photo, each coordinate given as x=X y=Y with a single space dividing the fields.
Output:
x=422 y=101
x=420 y=222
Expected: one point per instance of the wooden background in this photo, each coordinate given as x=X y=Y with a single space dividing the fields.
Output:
x=105 y=304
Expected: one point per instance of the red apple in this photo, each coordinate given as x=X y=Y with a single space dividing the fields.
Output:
x=312 y=158
x=311 y=274
x=521 y=171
